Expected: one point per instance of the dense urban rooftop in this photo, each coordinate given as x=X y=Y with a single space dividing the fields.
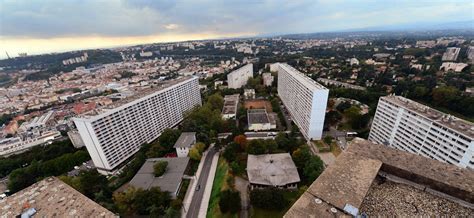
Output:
x=137 y=95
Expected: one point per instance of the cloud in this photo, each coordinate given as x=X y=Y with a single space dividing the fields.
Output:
x=45 y=19
x=171 y=26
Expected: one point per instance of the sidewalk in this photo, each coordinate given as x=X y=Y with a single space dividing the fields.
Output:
x=208 y=189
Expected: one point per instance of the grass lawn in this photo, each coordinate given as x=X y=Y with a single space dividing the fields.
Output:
x=291 y=197
x=335 y=149
x=220 y=184
x=322 y=147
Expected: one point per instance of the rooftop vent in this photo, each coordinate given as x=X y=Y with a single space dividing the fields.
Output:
x=333 y=210
x=318 y=201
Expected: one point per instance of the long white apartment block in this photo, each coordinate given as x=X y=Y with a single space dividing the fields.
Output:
x=113 y=134
x=305 y=99
x=10 y=146
x=410 y=126
x=238 y=78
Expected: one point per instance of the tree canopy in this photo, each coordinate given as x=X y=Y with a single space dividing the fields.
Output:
x=159 y=168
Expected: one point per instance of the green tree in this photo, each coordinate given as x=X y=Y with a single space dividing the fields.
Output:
x=159 y=168
x=270 y=199
x=444 y=95
x=156 y=150
x=333 y=117
x=257 y=146
x=343 y=106
x=235 y=168
x=91 y=182
x=230 y=150
x=216 y=101
x=168 y=138
x=195 y=154
x=313 y=168
x=200 y=147
x=23 y=177
x=301 y=156
x=230 y=201
x=282 y=140
x=328 y=139
x=142 y=202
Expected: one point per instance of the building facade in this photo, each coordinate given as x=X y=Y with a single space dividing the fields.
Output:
x=185 y=142
x=267 y=79
x=238 y=78
x=305 y=100
x=410 y=126
x=9 y=146
x=451 y=54
x=116 y=133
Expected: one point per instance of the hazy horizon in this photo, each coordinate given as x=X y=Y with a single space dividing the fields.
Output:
x=39 y=27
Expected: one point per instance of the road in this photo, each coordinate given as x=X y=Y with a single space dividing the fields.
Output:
x=334 y=133
x=193 y=210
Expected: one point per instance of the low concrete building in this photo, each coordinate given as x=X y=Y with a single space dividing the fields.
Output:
x=185 y=142
x=379 y=181
x=51 y=197
x=267 y=79
x=353 y=61
x=451 y=54
x=249 y=93
x=272 y=170
x=451 y=66
x=170 y=181
x=260 y=135
x=259 y=119
x=230 y=106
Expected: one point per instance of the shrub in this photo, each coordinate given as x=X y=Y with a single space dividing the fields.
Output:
x=270 y=199
x=230 y=201
x=160 y=168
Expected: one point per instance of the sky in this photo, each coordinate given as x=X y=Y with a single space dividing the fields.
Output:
x=43 y=26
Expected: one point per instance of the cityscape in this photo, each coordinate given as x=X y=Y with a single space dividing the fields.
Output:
x=229 y=114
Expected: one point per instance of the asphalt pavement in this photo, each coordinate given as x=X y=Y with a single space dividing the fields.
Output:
x=193 y=210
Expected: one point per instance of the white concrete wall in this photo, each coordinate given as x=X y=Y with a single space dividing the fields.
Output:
x=182 y=152
x=92 y=144
x=318 y=112
x=238 y=78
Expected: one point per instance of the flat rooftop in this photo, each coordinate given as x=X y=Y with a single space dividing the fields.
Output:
x=462 y=126
x=237 y=70
x=185 y=140
x=257 y=116
x=51 y=197
x=230 y=104
x=382 y=181
x=138 y=93
x=272 y=169
x=310 y=83
x=386 y=198
x=169 y=181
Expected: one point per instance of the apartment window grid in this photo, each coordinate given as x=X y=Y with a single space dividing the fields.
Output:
x=298 y=98
x=121 y=134
x=418 y=134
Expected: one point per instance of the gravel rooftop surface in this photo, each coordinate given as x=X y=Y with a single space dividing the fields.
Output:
x=389 y=199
